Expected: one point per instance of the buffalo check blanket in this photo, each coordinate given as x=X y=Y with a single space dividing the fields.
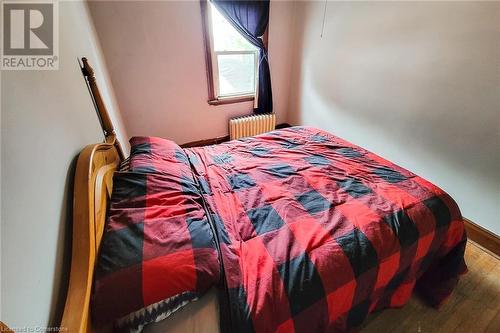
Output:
x=315 y=233
x=301 y=231
x=158 y=251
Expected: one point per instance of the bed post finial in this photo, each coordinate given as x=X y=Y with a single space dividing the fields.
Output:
x=102 y=112
x=88 y=70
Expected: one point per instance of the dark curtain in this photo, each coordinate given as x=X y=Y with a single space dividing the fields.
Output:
x=250 y=18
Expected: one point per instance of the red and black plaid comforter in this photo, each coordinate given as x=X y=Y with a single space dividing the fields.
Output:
x=158 y=251
x=315 y=232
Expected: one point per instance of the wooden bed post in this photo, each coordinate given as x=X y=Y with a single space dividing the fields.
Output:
x=93 y=185
x=102 y=112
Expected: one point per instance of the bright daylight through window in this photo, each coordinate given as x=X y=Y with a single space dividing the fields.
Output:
x=234 y=59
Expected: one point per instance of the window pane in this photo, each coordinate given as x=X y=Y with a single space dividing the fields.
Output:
x=236 y=74
x=226 y=37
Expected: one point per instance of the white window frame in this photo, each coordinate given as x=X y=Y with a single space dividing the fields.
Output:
x=215 y=75
x=215 y=64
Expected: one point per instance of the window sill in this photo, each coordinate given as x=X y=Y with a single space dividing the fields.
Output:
x=230 y=100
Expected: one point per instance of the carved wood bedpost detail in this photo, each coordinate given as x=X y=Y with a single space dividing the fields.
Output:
x=106 y=123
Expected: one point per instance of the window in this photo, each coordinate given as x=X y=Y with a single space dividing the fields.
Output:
x=232 y=62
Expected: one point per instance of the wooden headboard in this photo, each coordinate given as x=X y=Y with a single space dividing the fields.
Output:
x=93 y=184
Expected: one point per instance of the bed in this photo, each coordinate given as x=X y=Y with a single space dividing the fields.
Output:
x=295 y=230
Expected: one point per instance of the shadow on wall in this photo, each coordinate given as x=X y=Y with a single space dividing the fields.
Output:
x=63 y=255
x=398 y=69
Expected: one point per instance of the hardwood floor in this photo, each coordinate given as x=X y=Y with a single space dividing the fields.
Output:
x=473 y=307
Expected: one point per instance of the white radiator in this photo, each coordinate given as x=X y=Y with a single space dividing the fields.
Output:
x=251 y=125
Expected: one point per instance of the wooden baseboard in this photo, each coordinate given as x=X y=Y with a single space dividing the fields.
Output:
x=283 y=125
x=206 y=142
x=220 y=139
x=483 y=237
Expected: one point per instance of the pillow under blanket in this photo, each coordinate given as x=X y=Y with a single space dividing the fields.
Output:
x=158 y=250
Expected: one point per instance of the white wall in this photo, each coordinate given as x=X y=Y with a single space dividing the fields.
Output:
x=46 y=118
x=156 y=58
x=416 y=82
x=281 y=43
